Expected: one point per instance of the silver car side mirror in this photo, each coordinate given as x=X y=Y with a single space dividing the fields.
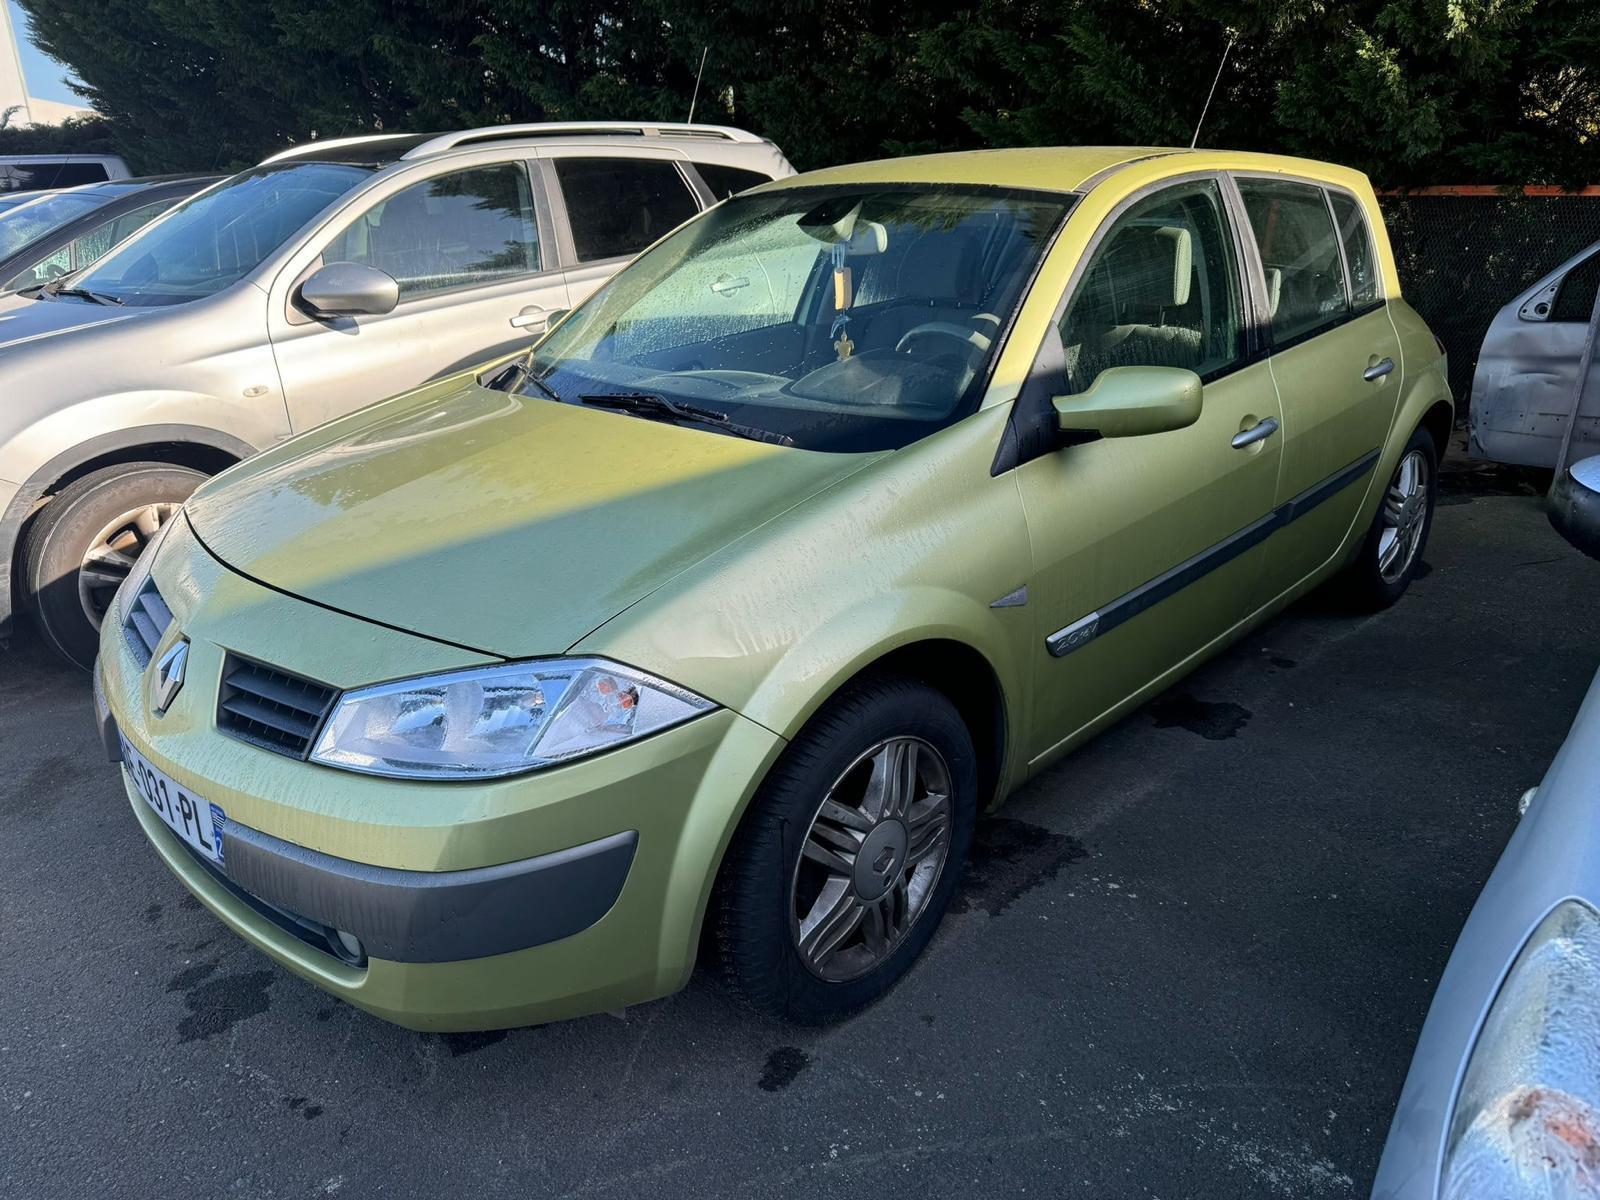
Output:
x=346 y=289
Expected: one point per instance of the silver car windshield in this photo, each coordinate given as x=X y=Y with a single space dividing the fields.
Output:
x=839 y=319
x=220 y=236
x=32 y=219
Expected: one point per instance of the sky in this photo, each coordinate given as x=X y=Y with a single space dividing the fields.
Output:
x=47 y=79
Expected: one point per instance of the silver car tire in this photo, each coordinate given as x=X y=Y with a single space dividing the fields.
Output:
x=85 y=539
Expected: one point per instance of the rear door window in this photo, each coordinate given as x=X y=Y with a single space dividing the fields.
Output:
x=618 y=206
x=458 y=230
x=1299 y=253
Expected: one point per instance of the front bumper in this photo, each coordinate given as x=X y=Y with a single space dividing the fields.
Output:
x=479 y=905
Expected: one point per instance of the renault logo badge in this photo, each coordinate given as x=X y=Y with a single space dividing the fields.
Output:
x=168 y=681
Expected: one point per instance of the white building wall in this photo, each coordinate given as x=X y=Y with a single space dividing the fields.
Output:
x=14 y=88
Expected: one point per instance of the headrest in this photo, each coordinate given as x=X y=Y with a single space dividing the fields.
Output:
x=870 y=237
x=935 y=269
x=1147 y=269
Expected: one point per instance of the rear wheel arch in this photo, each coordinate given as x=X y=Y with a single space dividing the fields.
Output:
x=1439 y=421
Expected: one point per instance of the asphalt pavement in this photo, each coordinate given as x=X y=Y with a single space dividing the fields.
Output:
x=1189 y=961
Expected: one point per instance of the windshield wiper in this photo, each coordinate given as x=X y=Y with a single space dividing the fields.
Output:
x=648 y=404
x=97 y=297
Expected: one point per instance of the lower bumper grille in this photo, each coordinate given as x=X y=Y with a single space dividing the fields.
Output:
x=313 y=933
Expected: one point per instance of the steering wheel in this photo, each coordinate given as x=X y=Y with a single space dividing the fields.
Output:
x=971 y=340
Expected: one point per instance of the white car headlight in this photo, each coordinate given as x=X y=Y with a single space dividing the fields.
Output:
x=489 y=721
x=1527 y=1119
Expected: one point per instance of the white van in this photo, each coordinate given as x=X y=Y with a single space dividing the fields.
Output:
x=35 y=172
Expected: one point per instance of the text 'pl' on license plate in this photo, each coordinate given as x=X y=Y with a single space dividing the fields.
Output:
x=196 y=821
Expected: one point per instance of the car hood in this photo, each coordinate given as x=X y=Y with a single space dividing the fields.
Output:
x=24 y=320
x=505 y=524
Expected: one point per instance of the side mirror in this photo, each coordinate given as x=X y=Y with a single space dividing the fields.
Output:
x=345 y=289
x=1131 y=402
x=1575 y=505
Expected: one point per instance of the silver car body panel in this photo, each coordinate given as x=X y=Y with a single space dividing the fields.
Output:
x=1526 y=378
x=1553 y=856
x=244 y=369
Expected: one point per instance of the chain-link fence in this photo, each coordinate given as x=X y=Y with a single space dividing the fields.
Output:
x=1464 y=252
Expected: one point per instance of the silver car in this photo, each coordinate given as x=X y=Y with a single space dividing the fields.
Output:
x=1525 y=386
x=1503 y=1098
x=325 y=278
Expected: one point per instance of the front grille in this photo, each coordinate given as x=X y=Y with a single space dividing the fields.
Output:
x=147 y=620
x=271 y=708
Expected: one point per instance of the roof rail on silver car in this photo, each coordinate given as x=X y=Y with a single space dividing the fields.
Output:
x=330 y=143
x=465 y=137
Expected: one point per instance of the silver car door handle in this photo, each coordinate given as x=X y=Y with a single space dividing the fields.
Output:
x=1259 y=432
x=1378 y=370
x=725 y=286
x=532 y=317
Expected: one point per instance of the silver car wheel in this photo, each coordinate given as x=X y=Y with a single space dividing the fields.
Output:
x=112 y=553
x=871 y=858
x=1405 y=512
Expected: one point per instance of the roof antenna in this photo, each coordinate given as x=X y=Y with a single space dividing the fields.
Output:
x=697 y=75
x=1232 y=38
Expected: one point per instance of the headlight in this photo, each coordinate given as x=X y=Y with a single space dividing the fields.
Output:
x=1527 y=1120
x=140 y=574
x=490 y=721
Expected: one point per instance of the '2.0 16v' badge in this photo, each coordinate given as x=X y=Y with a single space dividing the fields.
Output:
x=167 y=680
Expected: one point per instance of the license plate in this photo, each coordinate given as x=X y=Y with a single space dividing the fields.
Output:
x=196 y=821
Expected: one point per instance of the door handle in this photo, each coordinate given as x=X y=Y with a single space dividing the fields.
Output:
x=532 y=317
x=1259 y=432
x=724 y=286
x=1378 y=370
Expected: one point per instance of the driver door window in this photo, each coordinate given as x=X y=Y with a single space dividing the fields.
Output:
x=1161 y=291
x=463 y=229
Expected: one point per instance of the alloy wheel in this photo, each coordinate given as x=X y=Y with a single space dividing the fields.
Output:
x=112 y=553
x=1405 y=512
x=871 y=859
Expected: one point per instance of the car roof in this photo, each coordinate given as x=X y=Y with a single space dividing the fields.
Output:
x=380 y=150
x=1052 y=168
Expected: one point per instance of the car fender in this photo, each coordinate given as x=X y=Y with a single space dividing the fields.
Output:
x=54 y=447
x=811 y=670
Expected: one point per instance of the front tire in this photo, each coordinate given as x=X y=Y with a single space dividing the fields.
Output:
x=849 y=855
x=83 y=543
x=1391 y=555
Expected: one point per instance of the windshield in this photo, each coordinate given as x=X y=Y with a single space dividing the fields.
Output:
x=841 y=319
x=31 y=220
x=219 y=236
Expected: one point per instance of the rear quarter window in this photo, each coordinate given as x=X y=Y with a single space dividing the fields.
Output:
x=728 y=181
x=1356 y=235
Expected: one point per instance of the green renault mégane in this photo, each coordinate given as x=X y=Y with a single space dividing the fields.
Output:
x=845 y=509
